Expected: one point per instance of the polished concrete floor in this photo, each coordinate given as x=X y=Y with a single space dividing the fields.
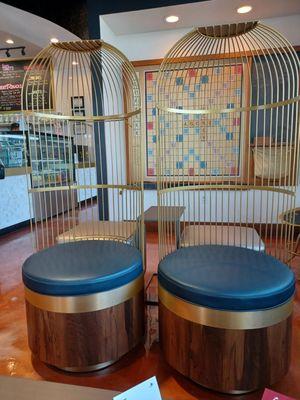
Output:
x=146 y=361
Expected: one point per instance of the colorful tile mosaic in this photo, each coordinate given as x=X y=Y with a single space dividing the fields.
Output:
x=196 y=144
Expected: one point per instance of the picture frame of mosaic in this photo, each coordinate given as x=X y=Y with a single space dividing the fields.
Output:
x=221 y=153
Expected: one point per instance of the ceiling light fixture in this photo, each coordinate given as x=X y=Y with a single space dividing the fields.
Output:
x=74 y=63
x=54 y=40
x=172 y=18
x=244 y=9
x=10 y=41
x=9 y=49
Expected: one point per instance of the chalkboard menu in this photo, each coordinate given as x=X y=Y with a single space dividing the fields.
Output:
x=11 y=78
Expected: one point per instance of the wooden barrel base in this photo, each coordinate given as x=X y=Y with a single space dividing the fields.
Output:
x=226 y=360
x=88 y=340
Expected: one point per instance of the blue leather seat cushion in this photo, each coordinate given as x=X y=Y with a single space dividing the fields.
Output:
x=82 y=267
x=226 y=277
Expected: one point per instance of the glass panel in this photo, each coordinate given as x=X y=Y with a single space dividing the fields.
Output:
x=12 y=150
x=51 y=160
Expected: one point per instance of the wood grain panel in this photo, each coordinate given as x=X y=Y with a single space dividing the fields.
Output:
x=85 y=339
x=222 y=359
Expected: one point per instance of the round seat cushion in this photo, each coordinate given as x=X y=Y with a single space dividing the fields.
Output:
x=226 y=277
x=82 y=267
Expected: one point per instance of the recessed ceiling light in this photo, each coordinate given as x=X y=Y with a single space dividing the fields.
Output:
x=74 y=63
x=244 y=9
x=54 y=40
x=172 y=18
x=10 y=41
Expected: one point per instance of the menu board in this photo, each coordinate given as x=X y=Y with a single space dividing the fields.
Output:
x=11 y=78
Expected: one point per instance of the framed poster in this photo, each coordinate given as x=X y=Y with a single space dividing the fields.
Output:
x=78 y=109
x=206 y=146
x=12 y=74
x=77 y=104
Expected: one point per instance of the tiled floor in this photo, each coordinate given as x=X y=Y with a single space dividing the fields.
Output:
x=15 y=358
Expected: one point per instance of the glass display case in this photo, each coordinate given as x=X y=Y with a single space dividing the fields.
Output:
x=12 y=149
x=52 y=160
x=50 y=156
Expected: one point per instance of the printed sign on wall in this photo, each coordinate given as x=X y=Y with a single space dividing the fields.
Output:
x=11 y=79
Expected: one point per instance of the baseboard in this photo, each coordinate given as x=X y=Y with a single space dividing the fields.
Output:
x=88 y=201
x=13 y=228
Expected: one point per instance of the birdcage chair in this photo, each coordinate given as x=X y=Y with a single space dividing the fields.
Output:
x=228 y=137
x=84 y=286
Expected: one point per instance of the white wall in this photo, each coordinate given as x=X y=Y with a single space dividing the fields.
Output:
x=86 y=176
x=288 y=26
x=143 y=46
x=70 y=81
x=14 y=201
x=153 y=45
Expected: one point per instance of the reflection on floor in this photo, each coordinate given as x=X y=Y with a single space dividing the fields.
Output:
x=146 y=361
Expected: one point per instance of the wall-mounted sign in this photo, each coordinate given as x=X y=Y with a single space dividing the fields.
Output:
x=11 y=78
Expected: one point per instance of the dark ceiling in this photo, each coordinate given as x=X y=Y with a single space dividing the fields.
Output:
x=81 y=16
x=107 y=7
x=72 y=15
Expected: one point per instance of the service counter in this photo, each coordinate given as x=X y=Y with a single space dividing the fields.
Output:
x=14 y=200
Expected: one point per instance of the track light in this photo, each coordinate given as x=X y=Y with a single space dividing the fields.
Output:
x=9 y=49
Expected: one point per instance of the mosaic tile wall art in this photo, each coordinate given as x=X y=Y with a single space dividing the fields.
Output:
x=195 y=144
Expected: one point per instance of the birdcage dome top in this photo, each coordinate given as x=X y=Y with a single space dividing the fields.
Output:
x=207 y=58
x=82 y=80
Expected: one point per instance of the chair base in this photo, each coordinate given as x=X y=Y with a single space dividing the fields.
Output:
x=226 y=360
x=89 y=368
x=85 y=341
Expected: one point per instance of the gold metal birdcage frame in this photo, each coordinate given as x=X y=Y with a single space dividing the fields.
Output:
x=99 y=196
x=228 y=150
x=267 y=162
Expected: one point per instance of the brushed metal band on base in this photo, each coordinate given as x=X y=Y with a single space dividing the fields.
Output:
x=85 y=303
x=89 y=368
x=224 y=319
